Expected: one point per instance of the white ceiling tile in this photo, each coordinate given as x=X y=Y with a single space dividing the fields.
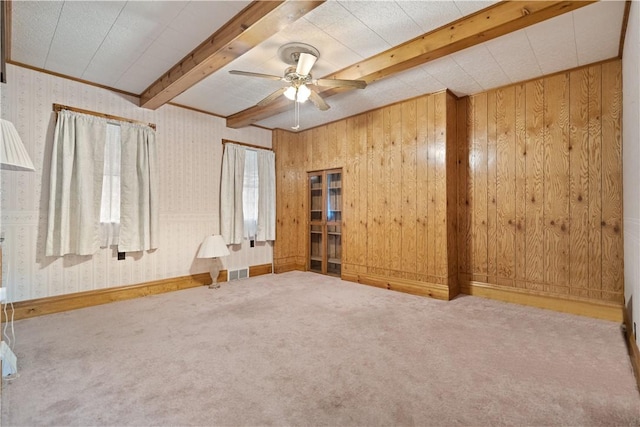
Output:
x=106 y=73
x=158 y=12
x=386 y=18
x=468 y=7
x=430 y=15
x=200 y=19
x=420 y=80
x=33 y=26
x=452 y=76
x=352 y=33
x=553 y=43
x=181 y=41
x=81 y=30
x=327 y=14
x=478 y=63
x=595 y=45
x=515 y=56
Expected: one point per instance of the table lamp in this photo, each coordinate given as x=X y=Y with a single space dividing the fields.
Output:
x=13 y=155
x=213 y=247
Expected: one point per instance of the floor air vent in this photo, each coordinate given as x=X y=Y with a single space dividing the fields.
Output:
x=242 y=273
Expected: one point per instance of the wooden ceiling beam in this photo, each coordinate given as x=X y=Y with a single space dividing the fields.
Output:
x=494 y=21
x=254 y=24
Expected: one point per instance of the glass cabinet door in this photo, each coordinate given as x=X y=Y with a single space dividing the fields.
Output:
x=334 y=197
x=315 y=187
x=315 y=250
x=325 y=222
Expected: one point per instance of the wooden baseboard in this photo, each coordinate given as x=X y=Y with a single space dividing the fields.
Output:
x=57 y=304
x=632 y=346
x=259 y=270
x=289 y=266
x=414 y=287
x=598 y=310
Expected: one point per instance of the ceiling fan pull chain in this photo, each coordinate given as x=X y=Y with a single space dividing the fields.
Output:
x=296 y=113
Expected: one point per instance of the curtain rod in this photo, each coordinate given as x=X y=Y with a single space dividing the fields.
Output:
x=58 y=107
x=228 y=141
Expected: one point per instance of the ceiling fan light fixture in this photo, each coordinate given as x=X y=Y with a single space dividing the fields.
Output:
x=303 y=93
x=290 y=93
x=300 y=94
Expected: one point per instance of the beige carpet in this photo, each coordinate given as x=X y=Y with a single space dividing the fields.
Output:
x=305 y=349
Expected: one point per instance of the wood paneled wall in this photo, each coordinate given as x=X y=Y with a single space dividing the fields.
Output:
x=399 y=194
x=540 y=185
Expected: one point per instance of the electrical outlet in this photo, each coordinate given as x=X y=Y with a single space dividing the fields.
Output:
x=121 y=255
x=3 y=295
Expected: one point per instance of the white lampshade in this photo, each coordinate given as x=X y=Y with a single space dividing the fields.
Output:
x=13 y=155
x=290 y=93
x=303 y=93
x=213 y=247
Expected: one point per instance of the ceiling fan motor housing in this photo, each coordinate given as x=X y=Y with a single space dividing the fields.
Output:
x=290 y=52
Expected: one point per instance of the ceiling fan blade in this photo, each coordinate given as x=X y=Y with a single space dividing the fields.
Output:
x=250 y=74
x=358 y=84
x=318 y=101
x=272 y=97
x=305 y=63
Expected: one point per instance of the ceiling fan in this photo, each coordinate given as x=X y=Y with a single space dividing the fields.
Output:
x=301 y=57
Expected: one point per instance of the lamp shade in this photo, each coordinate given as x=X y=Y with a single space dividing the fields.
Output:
x=13 y=155
x=213 y=247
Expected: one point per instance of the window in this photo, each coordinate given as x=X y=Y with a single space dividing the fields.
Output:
x=250 y=194
x=110 y=202
x=247 y=195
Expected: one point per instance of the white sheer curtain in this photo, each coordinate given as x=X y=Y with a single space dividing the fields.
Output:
x=231 y=185
x=75 y=185
x=250 y=194
x=267 y=195
x=110 y=204
x=139 y=189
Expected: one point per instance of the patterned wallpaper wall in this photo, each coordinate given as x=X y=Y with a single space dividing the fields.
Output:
x=189 y=155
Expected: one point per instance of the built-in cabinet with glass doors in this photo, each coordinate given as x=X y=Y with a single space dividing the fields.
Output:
x=325 y=221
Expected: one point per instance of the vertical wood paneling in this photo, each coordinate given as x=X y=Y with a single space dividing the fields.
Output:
x=521 y=187
x=350 y=199
x=595 y=183
x=300 y=163
x=431 y=187
x=505 y=182
x=362 y=194
x=408 y=189
x=538 y=185
x=556 y=183
x=579 y=177
x=440 y=193
x=492 y=213
x=463 y=194
x=451 y=175
x=612 y=246
x=480 y=188
x=375 y=205
x=535 y=183
x=393 y=140
x=422 y=185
